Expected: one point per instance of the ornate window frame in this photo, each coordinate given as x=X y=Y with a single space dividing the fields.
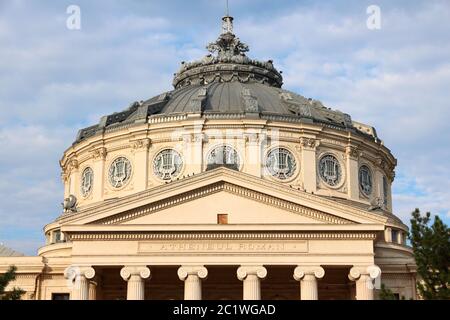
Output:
x=157 y=153
x=372 y=176
x=223 y=144
x=130 y=178
x=339 y=158
x=266 y=171
x=89 y=193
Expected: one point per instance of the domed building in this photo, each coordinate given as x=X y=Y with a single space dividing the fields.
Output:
x=227 y=187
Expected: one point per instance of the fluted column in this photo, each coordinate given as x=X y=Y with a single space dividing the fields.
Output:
x=308 y=275
x=192 y=277
x=135 y=276
x=93 y=289
x=251 y=277
x=364 y=276
x=79 y=278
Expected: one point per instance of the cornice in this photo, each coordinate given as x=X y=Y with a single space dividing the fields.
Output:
x=285 y=236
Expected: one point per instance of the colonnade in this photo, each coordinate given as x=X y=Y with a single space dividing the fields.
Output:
x=84 y=283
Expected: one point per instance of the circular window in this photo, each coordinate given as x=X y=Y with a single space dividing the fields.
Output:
x=223 y=156
x=330 y=170
x=119 y=172
x=167 y=164
x=281 y=163
x=365 y=180
x=87 y=180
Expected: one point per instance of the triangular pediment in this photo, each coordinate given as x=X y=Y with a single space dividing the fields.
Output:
x=244 y=198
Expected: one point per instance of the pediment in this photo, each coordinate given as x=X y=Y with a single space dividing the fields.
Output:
x=246 y=200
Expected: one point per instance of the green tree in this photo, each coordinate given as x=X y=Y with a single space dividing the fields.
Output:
x=386 y=294
x=431 y=246
x=5 y=279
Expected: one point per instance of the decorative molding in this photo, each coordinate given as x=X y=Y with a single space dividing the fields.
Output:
x=281 y=236
x=99 y=153
x=352 y=152
x=239 y=176
x=218 y=187
x=141 y=144
x=309 y=143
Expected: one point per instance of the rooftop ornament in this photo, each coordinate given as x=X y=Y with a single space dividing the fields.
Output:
x=227 y=61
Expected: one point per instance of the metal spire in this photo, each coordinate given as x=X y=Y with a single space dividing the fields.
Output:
x=227 y=24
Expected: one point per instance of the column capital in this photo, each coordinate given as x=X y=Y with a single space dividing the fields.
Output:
x=309 y=143
x=372 y=271
x=301 y=271
x=244 y=271
x=72 y=272
x=141 y=271
x=185 y=271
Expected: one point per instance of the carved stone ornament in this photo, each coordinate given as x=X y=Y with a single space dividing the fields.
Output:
x=352 y=152
x=301 y=271
x=99 y=154
x=309 y=143
x=376 y=204
x=226 y=61
x=70 y=204
x=141 y=144
x=185 y=271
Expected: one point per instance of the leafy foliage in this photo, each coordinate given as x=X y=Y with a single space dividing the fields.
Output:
x=431 y=245
x=5 y=279
x=386 y=294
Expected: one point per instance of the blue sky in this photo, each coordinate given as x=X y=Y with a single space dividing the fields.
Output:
x=54 y=81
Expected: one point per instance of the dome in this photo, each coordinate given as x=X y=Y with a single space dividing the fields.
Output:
x=228 y=84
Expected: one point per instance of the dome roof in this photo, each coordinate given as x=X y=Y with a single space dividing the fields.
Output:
x=228 y=84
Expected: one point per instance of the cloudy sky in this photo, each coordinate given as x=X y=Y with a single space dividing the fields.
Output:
x=54 y=81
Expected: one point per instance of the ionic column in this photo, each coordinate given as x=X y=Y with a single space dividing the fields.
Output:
x=79 y=277
x=93 y=289
x=135 y=276
x=364 y=277
x=251 y=277
x=192 y=277
x=308 y=275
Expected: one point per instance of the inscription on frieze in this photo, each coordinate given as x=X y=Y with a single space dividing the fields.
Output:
x=221 y=247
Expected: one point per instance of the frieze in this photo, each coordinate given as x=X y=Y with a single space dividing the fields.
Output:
x=235 y=247
x=335 y=142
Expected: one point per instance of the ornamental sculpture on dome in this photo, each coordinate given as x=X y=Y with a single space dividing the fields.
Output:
x=227 y=62
x=227 y=45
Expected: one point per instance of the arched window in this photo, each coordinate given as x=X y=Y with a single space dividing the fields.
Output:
x=223 y=156
x=330 y=170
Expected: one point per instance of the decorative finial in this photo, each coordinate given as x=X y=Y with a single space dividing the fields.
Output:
x=227 y=24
